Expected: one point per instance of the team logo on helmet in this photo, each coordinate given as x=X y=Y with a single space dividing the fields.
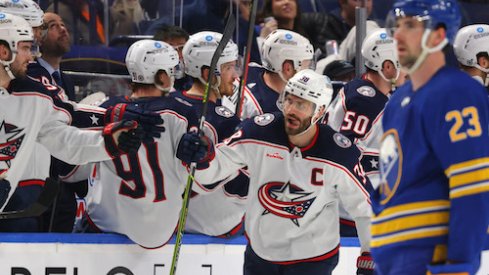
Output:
x=2 y=15
x=285 y=200
x=480 y=29
x=366 y=91
x=264 y=119
x=383 y=35
x=208 y=38
x=390 y=161
x=288 y=36
x=341 y=140
x=157 y=45
x=15 y=1
x=224 y=112
x=10 y=141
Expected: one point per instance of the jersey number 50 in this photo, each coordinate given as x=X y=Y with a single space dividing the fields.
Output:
x=357 y=124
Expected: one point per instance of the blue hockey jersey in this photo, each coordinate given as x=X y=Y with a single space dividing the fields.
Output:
x=434 y=163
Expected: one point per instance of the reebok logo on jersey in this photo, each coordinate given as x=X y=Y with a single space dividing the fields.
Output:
x=10 y=141
x=275 y=156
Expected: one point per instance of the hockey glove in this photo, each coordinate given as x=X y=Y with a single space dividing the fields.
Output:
x=122 y=137
x=151 y=122
x=4 y=190
x=193 y=148
x=454 y=269
x=365 y=264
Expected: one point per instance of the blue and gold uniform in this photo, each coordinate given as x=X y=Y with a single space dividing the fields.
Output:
x=433 y=202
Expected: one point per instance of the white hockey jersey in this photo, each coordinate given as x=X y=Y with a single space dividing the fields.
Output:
x=140 y=195
x=292 y=213
x=28 y=116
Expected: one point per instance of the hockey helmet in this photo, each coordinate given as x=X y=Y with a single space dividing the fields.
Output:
x=311 y=86
x=198 y=51
x=14 y=29
x=379 y=47
x=146 y=57
x=282 y=45
x=27 y=9
x=471 y=41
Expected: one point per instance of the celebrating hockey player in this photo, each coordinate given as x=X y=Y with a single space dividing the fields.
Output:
x=360 y=105
x=28 y=114
x=471 y=48
x=298 y=170
x=284 y=53
x=219 y=213
x=432 y=207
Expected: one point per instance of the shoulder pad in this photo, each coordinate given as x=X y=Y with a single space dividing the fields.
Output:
x=223 y=111
x=341 y=140
x=264 y=119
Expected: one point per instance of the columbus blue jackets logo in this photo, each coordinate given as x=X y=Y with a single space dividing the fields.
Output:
x=224 y=112
x=390 y=165
x=10 y=141
x=285 y=200
x=366 y=91
x=264 y=119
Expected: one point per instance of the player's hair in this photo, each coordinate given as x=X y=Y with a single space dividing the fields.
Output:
x=168 y=32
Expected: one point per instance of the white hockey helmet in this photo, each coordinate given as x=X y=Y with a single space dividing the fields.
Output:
x=469 y=42
x=27 y=9
x=379 y=47
x=282 y=45
x=14 y=29
x=198 y=51
x=311 y=86
x=146 y=57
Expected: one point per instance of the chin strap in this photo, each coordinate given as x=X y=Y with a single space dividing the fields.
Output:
x=214 y=87
x=6 y=66
x=425 y=51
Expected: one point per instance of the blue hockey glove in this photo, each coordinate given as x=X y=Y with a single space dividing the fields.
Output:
x=122 y=137
x=446 y=269
x=193 y=148
x=365 y=264
x=151 y=122
x=4 y=190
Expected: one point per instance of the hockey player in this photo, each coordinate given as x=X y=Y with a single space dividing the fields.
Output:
x=360 y=105
x=219 y=213
x=28 y=114
x=299 y=170
x=140 y=195
x=284 y=53
x=471 y=47
x=432 y=207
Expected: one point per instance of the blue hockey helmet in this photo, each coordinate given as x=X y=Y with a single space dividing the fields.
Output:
x=434 y=13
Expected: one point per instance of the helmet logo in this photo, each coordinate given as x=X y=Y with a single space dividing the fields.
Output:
x=304 y=79
x=288 y=36
x=15 y=1
x=2 y=15
x=383 y=35
x=208 y=38
x=480 y=29
x=157 y=45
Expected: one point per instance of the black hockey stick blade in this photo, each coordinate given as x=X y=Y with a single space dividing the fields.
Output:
x=47 y=196
x=226 y=36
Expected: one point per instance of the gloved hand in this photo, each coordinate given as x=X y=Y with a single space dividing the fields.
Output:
x=194 y=148
x=122 y=137
x=4 y=190
x=365 y=264
x=151 y=122
x=458 y=268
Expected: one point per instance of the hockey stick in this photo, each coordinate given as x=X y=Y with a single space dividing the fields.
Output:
x=246 y=57
x=45 y=199
x=226 y=36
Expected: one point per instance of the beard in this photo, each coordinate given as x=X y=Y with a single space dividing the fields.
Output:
x=295 y=126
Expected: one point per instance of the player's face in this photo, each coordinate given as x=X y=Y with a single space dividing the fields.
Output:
x=297 y=114
x=22 y=59
x=57 y=40
x=389 y=70
x=228 y=75
x=408 y=33
x=177 y=43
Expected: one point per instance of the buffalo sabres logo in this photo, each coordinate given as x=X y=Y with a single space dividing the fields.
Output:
x=390 y=165
x=224 y=112
x=10 y=141
x=284 y=200
x=264 y=119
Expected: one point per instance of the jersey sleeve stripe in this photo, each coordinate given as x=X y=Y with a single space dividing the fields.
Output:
x=470 y=190
x=412 y=208
x=411 y=222
x=469 y=178
x=409 y=235
x=462 y=167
